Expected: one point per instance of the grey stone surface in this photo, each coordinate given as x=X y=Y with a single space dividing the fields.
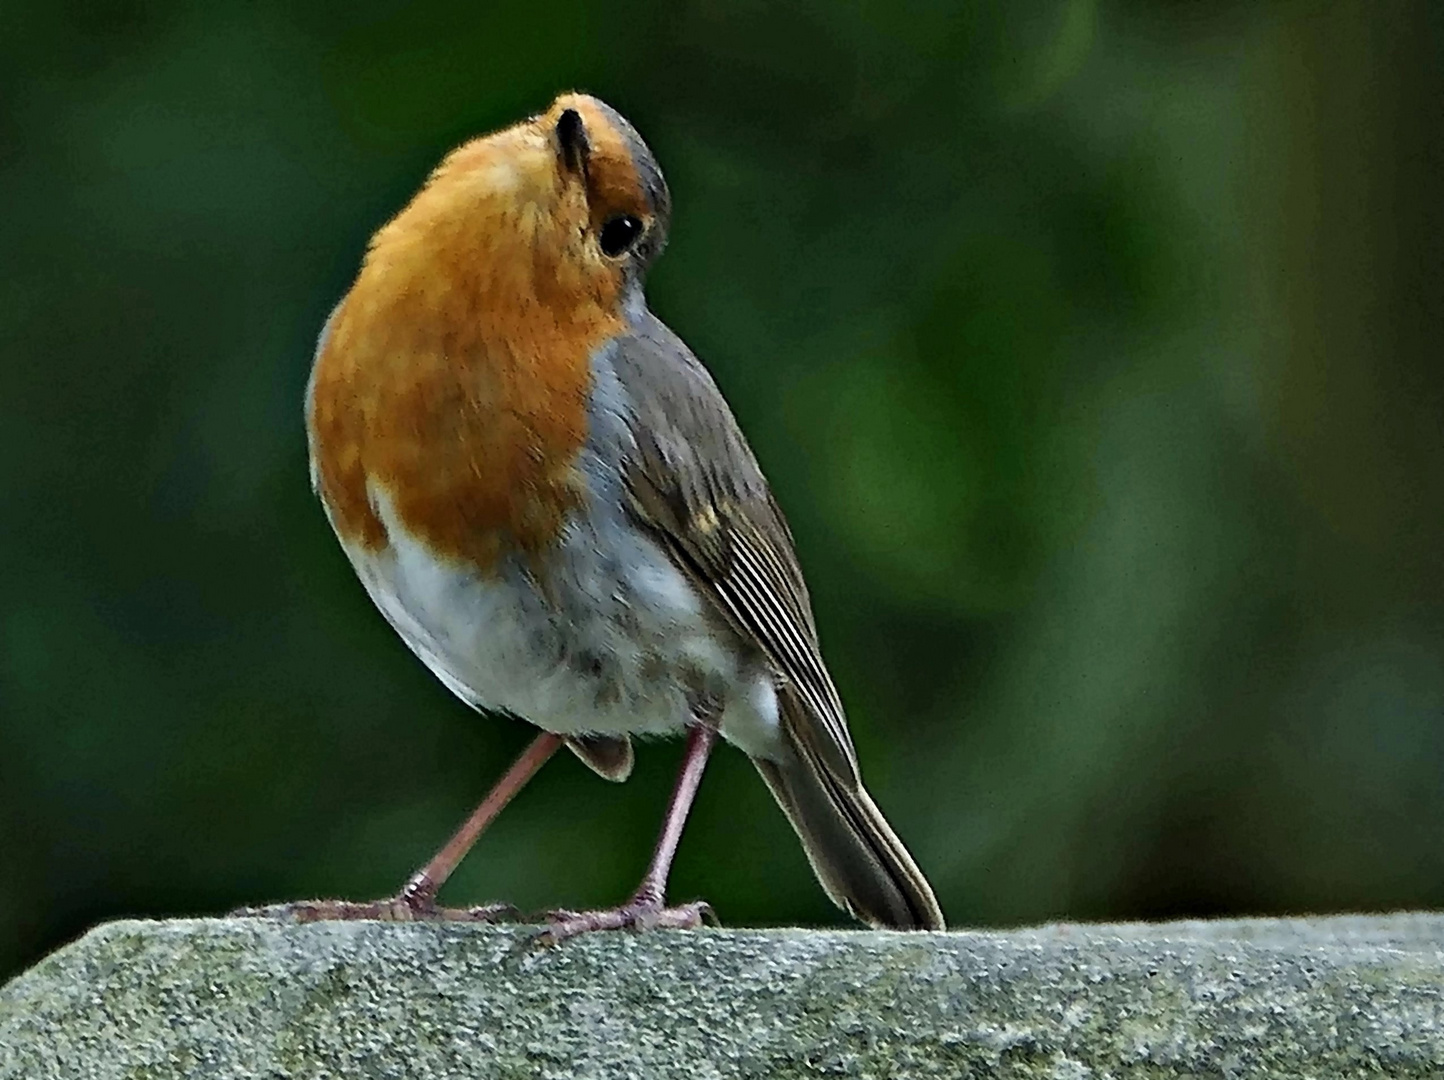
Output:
x=1308 y=998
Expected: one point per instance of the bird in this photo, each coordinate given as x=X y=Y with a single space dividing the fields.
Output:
x=544 y=492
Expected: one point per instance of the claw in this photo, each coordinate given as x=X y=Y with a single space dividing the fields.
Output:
x=403 y=908
x=636 y=914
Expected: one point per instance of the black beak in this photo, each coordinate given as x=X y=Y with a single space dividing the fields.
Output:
x=572 y=138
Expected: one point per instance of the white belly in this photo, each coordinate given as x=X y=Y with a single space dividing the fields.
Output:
x=620 y=644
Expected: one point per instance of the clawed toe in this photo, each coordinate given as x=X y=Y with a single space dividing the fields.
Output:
x=484 y=913
x=306 y=911
x=403 y=908
x=634 y=915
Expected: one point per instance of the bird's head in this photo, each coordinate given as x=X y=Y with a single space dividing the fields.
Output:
x=566 y=210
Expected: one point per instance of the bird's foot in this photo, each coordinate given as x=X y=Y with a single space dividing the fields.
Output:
x=638 y=913
x=414 y=903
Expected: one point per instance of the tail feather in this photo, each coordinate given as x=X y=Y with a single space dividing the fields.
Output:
x=856 y=856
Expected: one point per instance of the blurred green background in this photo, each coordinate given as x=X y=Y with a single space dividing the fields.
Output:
x=1094 y=350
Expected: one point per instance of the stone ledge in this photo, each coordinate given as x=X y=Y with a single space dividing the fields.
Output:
x=1327 y=998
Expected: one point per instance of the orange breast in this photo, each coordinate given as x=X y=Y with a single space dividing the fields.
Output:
x=456 y=372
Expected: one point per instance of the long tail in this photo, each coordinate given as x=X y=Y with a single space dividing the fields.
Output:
x=855 y=854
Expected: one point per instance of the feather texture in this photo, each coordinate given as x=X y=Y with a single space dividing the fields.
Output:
x=695 y=483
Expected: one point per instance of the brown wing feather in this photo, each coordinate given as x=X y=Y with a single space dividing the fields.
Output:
x=692 y=481
x=738 y=551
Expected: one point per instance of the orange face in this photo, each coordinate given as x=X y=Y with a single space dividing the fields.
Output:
x=454 y=377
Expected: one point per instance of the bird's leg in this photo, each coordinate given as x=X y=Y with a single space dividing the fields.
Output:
x=647 y=907
x=420 y=892
x=417 y=898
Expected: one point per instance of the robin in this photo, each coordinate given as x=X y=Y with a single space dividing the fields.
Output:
x=546 y=495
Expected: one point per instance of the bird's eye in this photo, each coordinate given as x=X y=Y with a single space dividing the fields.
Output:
x=619 y=234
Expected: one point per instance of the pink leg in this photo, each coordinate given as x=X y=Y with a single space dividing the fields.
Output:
x=417 y=899
x=427 y=882
x=647 y=907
